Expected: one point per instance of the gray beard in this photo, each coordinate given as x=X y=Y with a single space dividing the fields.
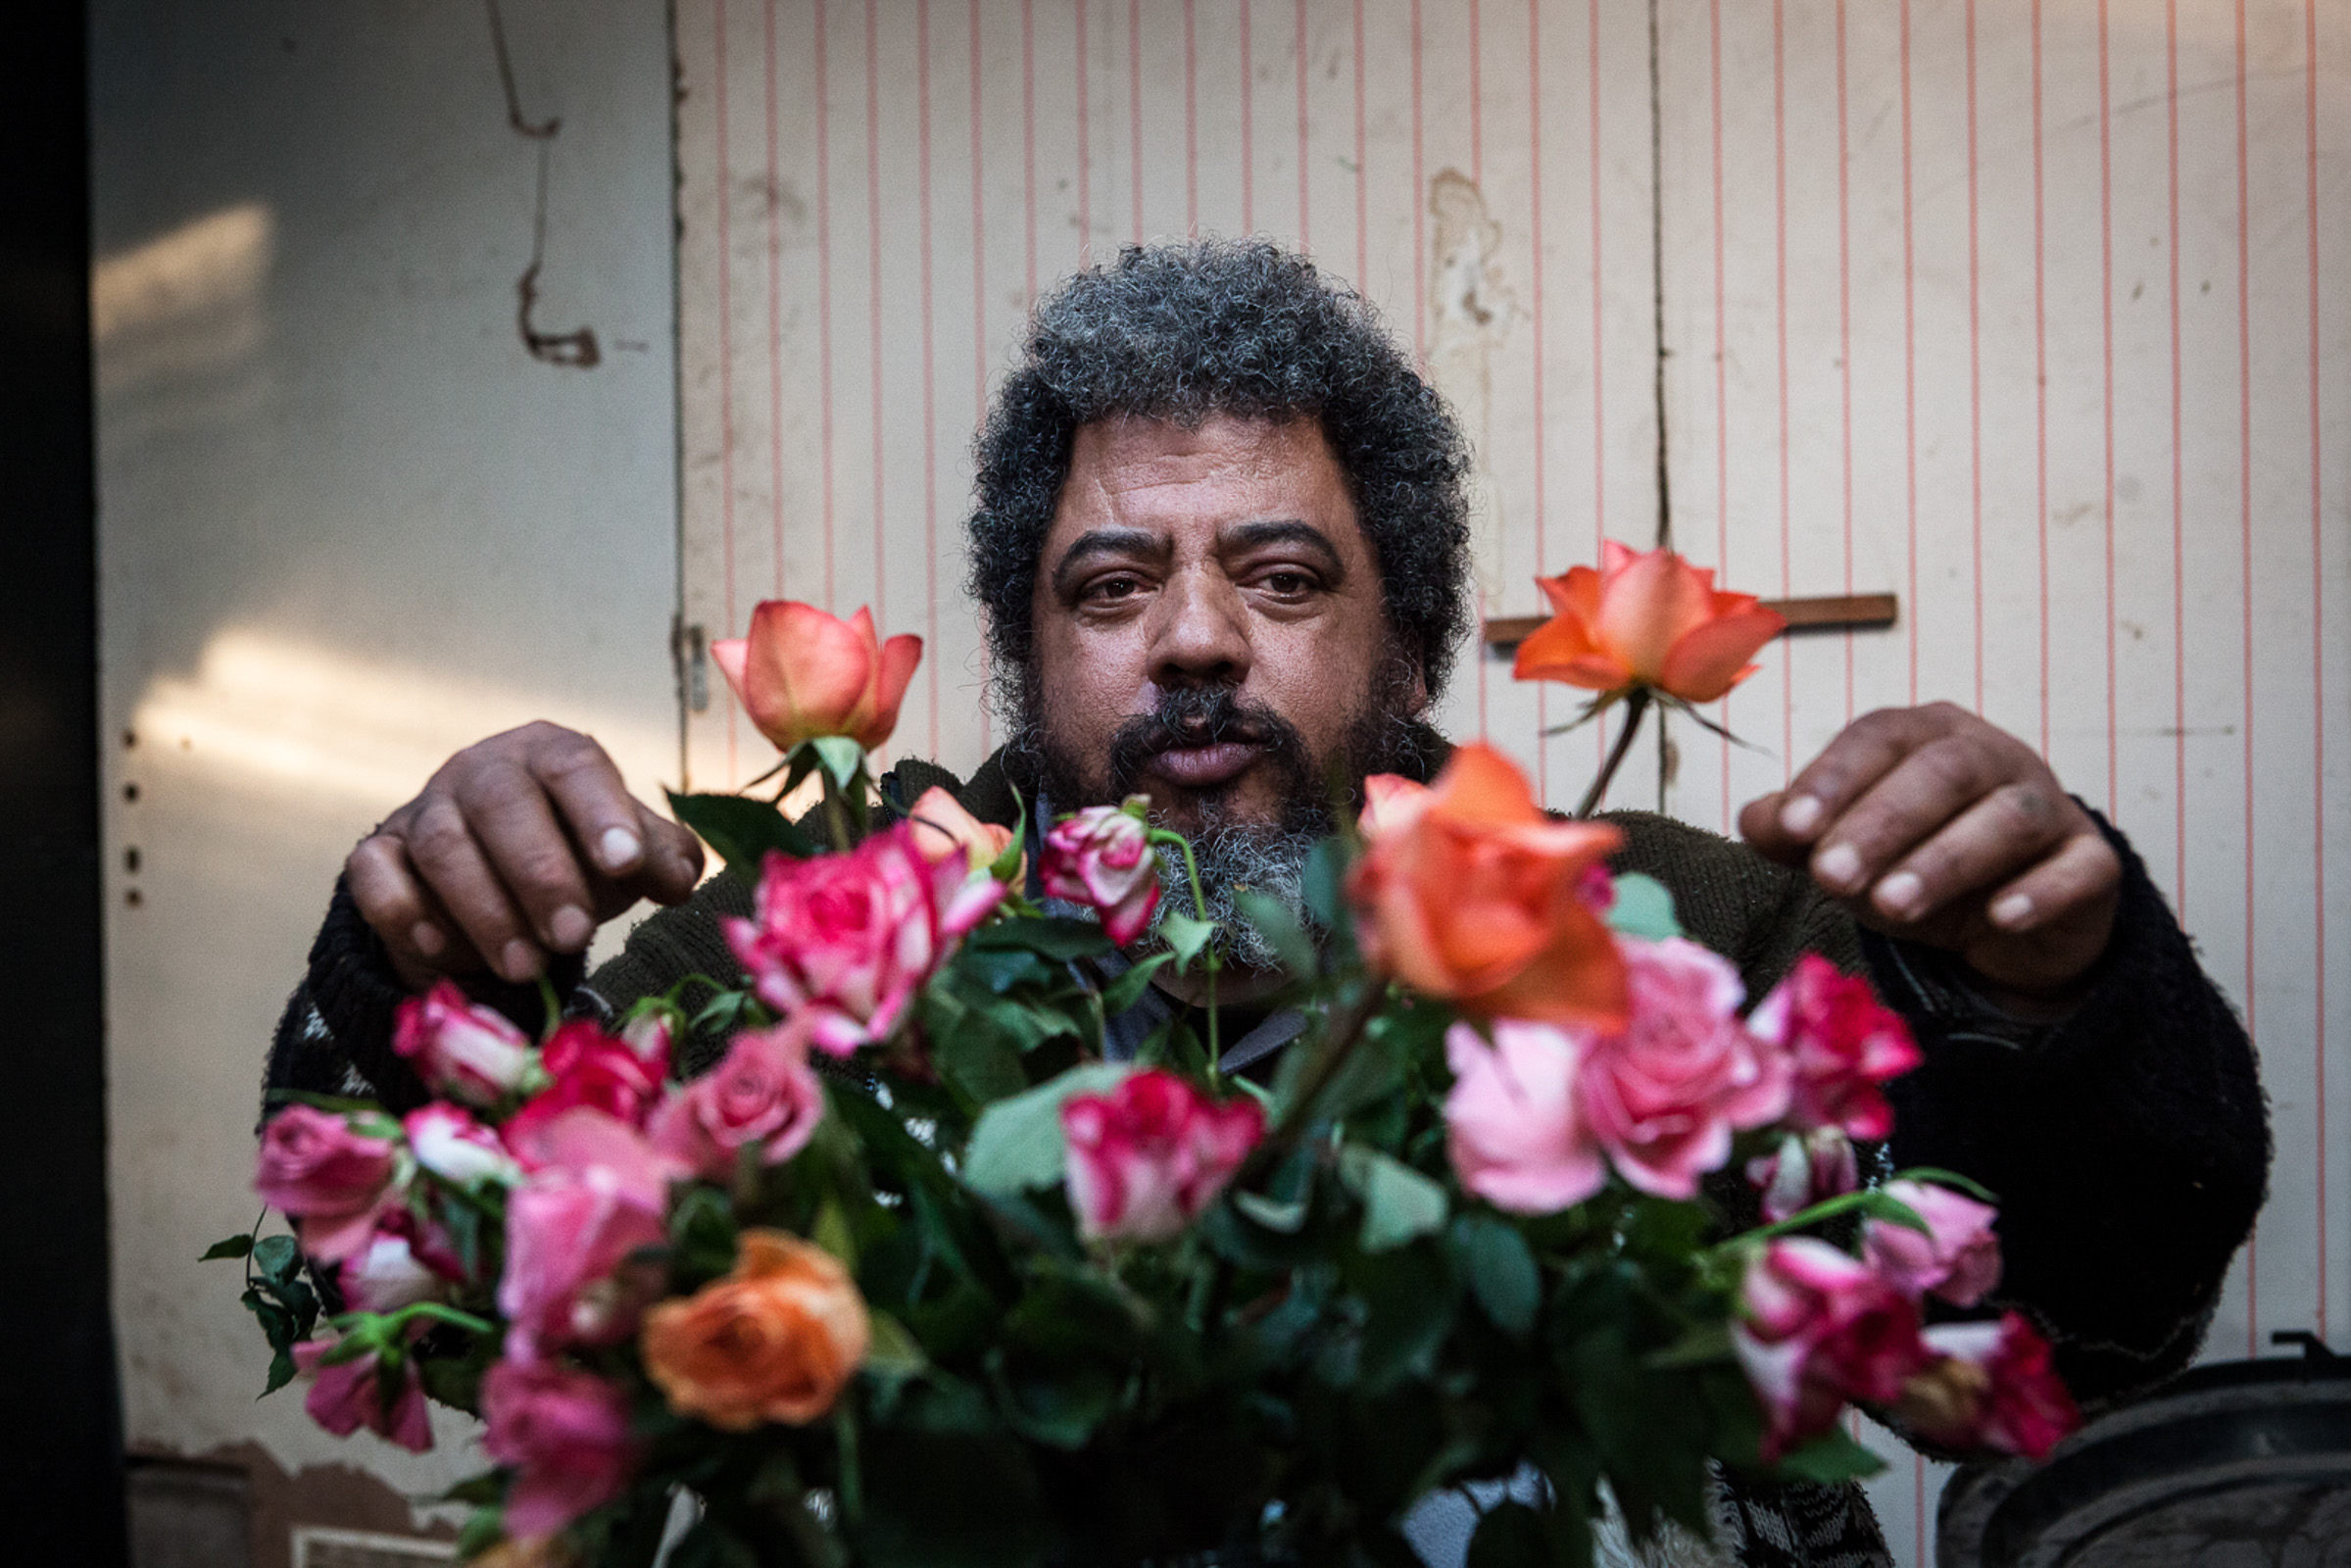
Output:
x=1269 y=860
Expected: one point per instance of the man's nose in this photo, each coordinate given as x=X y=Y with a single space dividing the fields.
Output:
x=1200 y=636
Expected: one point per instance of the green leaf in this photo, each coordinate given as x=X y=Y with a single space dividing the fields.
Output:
x=741 y=829
x=1053 y=937
x=279 y=1258
x=1501 y=1270
x=1279 y=924
x=484 y=1528
x=894 y=1353
x=239 y=1245
x=1399 y=1201
x=1707 y=1345
x=1284 y=1218
x=840 y=757
x=1127 y=990
x=1643 y=909
x=1326 y=883
x=1184 y=936
x=1948 y=1178
x=1017 y=1144
x=1830 y=1459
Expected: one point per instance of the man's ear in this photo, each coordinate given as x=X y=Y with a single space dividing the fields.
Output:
x=1416 y=688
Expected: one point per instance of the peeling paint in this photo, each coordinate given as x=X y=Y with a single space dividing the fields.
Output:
x=1470 y=313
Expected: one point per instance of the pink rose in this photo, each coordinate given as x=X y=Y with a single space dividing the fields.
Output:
x=1805 y=1170
x=851 y=937
x=1102 y=858
x=1664 y=1093
x=1147 y=1157
x=765 y=1089
x=450 y=1143
x=331 y=1179
x=1820 y=1328
x=648 y=1035
x=352 y=1394
x=585 y=1066
x=1841 y=1045
x=386 y=1274
x=1957 y=1258
x=1389 y=799
x=1991 y=1386
x=597 y=1194
x=565 y=1434
x=467 y=1052
x=1513 y=1123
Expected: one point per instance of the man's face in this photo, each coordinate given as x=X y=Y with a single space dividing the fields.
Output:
x=1209 y=626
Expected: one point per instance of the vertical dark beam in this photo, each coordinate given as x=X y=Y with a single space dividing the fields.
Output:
x=64 y=1476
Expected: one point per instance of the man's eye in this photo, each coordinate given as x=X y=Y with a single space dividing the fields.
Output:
x=1287 y=584
x=1109 y=590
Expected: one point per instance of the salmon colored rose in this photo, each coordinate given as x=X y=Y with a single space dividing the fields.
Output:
x=943 y=829
x=802 y=672
x=1647 y=619
x=776 y=1339
x=1469 y=892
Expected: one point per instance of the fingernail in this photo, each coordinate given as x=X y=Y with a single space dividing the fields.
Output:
x=1839 y=866
x=617 y=848
x=520 y=961
x=1799 y=816
x=1899 y=893
x=2013 y=911
x=428 y=939
x=570 y=928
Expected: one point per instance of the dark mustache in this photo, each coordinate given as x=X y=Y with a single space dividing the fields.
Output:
x=1199 y=715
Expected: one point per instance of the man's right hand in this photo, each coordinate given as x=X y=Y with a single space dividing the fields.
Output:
x=520 y=846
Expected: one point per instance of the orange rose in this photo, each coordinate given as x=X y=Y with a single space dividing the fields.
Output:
x=1468 y=891
x=801 y=673
x=942 y=827
x=1649 y=619
x=776 y=1339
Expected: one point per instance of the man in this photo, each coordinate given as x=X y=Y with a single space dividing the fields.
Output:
x=1220 y=540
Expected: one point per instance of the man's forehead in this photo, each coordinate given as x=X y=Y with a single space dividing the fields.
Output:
x=1130 y=465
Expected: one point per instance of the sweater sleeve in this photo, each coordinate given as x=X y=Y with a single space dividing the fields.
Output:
x=2129 y=1143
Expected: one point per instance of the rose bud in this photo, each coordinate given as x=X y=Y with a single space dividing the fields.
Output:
x=1805 y=1170
x=776 y=1339
x=1820 y=1328
x=1514 y=1123
x=450 y=1143
x=1470 y=893
x=1646 y=620
x=1102 y=858
x=330 y=1179
x=764 y=1091
x=565 y=1434
x=460 y=1048
x=1991 y=1386
x=585 y=1066
x=1665 y=1093
x=849 y=939
x=648 y=1034
x=1956 y=1257
x=351 y=1394
x=1840 y=1043
x=803 y=672
x=1147 y=1157
x=943 y=828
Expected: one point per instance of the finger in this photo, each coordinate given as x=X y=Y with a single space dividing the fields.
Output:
x=456 y=872
x=1923 y=793
x=404 y=916
x=2083 y=874
x=672 y=864
x=1863 y=752
x=595 y=805
x=513 y=821
x=2011 y=827
x=1760 y=825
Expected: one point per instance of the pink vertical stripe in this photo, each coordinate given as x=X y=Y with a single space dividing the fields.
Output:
x=775 y=357
x=1541 y=428
x=824 y=292
x=1248 y=159
x=1844 y=322
x=1085 y=147
x=1363 y=175
x=2041 y=378
x=721 y=184
x=2318 y=630
x=2106 y=320
x=1304 y=229
x=1420 y=250
x=1722 y=358
x=930 y=371
x=979 y=300
x=1788 y=660
x=1477 y=101
x=1135 y=108
x=2170 y=67
x=1975 y=367
x=1910 y=371
x=1190 y=124
x=1028 y=139
x=1600 y=342
x=874 y=306
x=2244 y=381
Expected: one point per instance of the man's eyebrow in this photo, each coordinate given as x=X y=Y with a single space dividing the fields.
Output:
x=1108 y=542
x=1287 y=531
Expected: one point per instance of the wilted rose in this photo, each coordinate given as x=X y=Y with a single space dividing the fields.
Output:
x=585 y=1066
x=1646 y=620
x=850 y=938
x=1841 y=1045
x=1819 y=1328
x=1956 y=1257
x=776 y=1339
x=450 y=1143
x=1102 y=858
x=565 y=1434
x=1147 y=1157
x=597 y=1194
x=1665 y=1093
x=1514 y=1121
x=803 y=672
x=460 y=1048
x=1991 y=1386
x=1806 y=1168
x=357 y=1392
x=1469 y=892
x=330 y=1179
x=762 y=1090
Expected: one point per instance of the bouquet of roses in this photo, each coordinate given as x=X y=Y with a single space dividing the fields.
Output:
x=914 y=1275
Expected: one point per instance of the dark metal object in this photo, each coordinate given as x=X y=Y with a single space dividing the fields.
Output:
x=2243 y=1463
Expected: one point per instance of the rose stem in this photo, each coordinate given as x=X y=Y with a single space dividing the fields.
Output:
x=1635 y=705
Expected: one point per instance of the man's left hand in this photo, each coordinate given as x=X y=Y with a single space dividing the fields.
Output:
x=1934 y=826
